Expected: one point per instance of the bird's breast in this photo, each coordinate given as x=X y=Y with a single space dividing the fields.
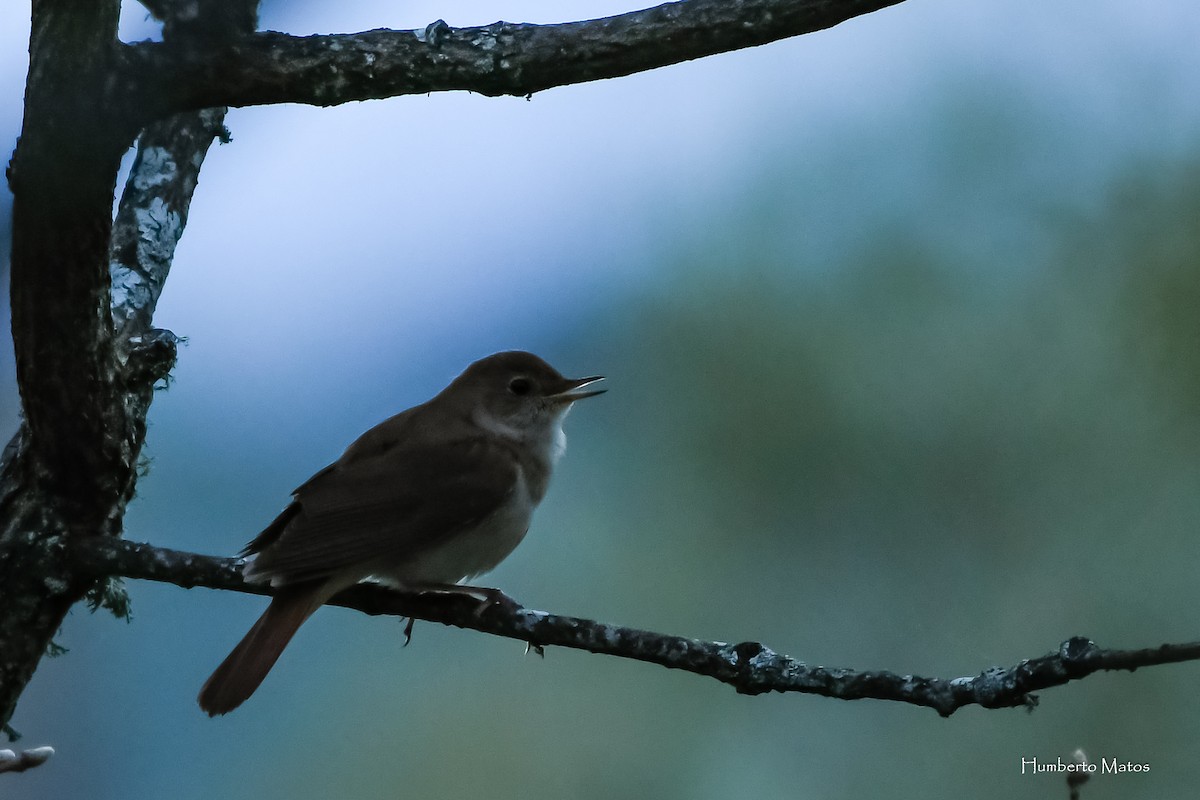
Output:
x=476 y=549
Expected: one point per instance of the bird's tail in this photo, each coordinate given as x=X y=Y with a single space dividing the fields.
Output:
x=244 y=669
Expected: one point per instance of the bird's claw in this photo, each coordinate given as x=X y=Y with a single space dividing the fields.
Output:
x=493 y=598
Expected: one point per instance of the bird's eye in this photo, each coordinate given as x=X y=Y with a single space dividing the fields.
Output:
x=520 y=386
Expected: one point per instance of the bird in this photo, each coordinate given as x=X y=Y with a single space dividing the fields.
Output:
x=435 y=495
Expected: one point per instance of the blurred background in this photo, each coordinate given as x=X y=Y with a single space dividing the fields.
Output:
x=900 y=323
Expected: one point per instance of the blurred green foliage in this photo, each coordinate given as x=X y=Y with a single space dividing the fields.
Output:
x=907 y=462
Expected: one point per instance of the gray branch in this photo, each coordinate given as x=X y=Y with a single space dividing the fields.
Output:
x=749 y=667
x=499 y=59
x=153 y=212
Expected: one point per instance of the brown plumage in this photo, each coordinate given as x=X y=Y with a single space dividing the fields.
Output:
x=244 y=669
x=438 y=493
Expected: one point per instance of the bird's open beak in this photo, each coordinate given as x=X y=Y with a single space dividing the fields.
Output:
x=575 y=390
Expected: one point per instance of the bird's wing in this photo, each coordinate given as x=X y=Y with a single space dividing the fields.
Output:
x=385 y=505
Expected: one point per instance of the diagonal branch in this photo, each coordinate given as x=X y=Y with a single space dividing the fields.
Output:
x=153 y=212
x=749 y=667
x=498 y=59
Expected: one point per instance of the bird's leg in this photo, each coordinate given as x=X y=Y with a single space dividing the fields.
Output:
x=408 y=626
x=490 y=597
x=487 y=598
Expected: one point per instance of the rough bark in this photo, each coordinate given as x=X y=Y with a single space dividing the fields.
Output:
x=499 y=59
x=66 y=469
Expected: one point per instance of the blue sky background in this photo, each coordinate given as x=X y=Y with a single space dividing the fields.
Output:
x=896 y=319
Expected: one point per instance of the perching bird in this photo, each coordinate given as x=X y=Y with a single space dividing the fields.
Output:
x=435 y=495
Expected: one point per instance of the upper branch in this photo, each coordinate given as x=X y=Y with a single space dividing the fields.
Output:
x=498 y=59
x=749 y=667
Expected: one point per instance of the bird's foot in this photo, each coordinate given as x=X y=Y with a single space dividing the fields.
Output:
x=487 y=597
x=490 y=598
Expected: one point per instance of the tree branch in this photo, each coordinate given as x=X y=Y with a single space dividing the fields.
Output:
x=83 y=291
x=498 y=59
x=36 y=589
x=65 y=469
x=62 y=177
x=749 y=667
x=153 y=212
